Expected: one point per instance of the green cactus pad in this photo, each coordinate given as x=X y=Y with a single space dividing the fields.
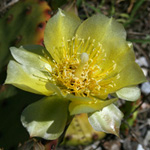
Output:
x=80 y=132
x=24 y=23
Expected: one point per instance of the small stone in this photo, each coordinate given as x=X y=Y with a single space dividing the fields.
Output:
x=140 y=147
x=145 y=88
x=142 y=61
x=147 y=138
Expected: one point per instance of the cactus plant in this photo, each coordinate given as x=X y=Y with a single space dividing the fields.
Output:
x=80 y=132
x=23 y=24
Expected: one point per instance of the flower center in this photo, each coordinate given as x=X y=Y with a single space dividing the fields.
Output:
x=78 y=70
x=72 y=76
x=84 y=59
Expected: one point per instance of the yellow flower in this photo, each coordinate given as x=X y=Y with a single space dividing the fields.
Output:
x=82 y=64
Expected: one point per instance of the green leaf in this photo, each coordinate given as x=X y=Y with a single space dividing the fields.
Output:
x=46 y=118
x=107 y=120
x=134 y=13
x=129 y=93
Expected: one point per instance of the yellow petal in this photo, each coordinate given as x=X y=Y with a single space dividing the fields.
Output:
x=46 y=118
x=27 y=78
x=114 y=52
x=99 y=27
x=87 y=107
x=53 y=87
x=105 y=31
x=60 y=28
x=107 y=120
x=121 y=59
x=27 y=58
x=131 y=93
x=130 y=75
x=119 y=72
x=74 y=98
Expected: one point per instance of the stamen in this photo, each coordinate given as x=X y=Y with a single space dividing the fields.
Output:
x=84 y=59
x=79 y=71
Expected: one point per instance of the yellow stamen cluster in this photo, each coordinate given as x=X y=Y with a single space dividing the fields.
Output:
x=77 y=71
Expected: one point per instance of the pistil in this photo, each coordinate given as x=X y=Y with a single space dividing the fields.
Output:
x=84 y=59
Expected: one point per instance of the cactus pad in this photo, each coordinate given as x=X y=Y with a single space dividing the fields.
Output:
x=24 y=23
x=80 y=132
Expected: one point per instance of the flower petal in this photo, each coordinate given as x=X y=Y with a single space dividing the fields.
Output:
x=107 y=120
x=89 y=106
x=53 y=87
x=74 y=98
x=31 y=56
x=27 y=78
x=60 y=28
x=116 y=55
x=116 y=59
x=119 y=61
x=105 y=31
x=130 y=75
x=46 y=118
x=129 y=93
x=99 y=27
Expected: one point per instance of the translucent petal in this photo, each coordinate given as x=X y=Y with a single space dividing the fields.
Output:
x=119 y=61
x=31 y=59
x=53 y=87
x=115 y=55
x=60 y=28
x=89 y=106
x=99 y=26
x=129 y=93
x=107 y=120
x=105 y=31
x=46 y=118
x=130 y=75
x=74 y=98
x=27 y=78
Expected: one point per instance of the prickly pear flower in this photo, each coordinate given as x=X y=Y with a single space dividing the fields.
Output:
x=81 y=65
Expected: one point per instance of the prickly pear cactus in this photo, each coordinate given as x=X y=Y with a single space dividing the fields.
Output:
x=80 y=132
x=23 y=24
